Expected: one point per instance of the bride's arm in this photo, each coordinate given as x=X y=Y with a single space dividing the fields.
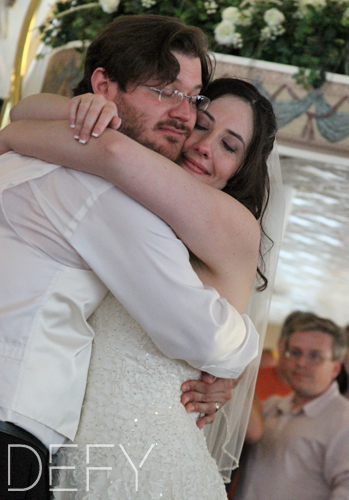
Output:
x=41 y=107
x=218 y=230
x=87 y=113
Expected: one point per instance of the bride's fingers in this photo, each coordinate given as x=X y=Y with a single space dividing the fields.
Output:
x=108 y=118
x=115 y=123
x=196 y=390
x=77 y=110
x=98 y=118
x=91 y=114
x=205 y=419
x=198 y=397
x=204 y=408
x=219 y=385
x=72 y=111
x=93 y=111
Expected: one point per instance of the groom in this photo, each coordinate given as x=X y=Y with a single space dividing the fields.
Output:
x=68 y=237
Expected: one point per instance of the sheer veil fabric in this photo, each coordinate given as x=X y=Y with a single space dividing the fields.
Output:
x=225 y=437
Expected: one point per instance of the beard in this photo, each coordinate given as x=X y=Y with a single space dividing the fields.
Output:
x=134 y=125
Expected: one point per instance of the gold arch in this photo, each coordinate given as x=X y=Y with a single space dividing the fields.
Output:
x=20 y=63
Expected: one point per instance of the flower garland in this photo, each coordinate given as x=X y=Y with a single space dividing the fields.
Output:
x=310 y=34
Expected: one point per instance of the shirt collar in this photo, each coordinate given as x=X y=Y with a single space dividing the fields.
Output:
x=312 y=409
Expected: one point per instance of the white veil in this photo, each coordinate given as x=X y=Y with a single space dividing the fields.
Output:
x=225 y=437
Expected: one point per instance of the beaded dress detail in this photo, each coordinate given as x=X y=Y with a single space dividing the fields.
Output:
x=132 y=404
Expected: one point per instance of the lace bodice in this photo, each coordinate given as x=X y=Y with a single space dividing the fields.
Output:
x=132 y=402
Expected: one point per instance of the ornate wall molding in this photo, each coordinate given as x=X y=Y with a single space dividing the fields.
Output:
x=316 y=120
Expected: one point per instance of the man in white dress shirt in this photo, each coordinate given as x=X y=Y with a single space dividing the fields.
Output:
x=67 y=237
x=303 y=453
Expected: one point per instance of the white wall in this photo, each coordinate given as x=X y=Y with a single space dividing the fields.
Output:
x=8 y=45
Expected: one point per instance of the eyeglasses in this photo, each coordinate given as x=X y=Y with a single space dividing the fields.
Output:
x=313 y=357
x=175 y=97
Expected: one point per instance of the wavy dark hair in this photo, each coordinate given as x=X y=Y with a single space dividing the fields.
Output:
x=250 y=184
x=134 y=49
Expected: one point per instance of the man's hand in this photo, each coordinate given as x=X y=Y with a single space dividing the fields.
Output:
x=201 y=396
x=91 y=114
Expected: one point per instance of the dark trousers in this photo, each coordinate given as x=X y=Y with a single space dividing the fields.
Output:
x=20 y=465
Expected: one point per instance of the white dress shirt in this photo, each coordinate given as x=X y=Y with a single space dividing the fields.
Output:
x=66 y=237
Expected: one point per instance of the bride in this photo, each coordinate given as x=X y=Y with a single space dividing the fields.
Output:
x=135 y=439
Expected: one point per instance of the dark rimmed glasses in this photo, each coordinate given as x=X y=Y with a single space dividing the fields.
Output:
x=175 y=97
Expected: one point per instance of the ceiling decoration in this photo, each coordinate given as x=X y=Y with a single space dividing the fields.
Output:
x=313 y=269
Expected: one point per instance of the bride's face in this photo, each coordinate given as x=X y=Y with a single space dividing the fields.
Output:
x=216 y=147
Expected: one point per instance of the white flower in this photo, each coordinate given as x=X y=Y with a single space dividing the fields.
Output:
x=315 y=3
x=266 y=33
x=148 y=3
x=272 y=32
x=273 y=17
x=109 y=6
x=237 y=41
x=211 y=7
x=253 y=2
x=246 y=17
x=224 y=33
x=345 y=18
x=56 y=22
x=231 y=14
x=304 y=4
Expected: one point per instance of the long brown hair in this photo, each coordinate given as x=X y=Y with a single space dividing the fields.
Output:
x=250 y=184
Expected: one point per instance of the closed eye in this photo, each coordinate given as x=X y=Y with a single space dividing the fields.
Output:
x=228 y=148
x=200 y=127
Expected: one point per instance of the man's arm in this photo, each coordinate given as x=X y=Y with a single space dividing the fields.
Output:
x=255 y=428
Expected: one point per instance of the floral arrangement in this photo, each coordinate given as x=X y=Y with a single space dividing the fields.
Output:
x=310 y=34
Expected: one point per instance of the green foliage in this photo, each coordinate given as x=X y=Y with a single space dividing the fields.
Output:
x=310 y=34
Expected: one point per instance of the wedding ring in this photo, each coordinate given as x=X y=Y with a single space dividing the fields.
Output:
x=217 y=406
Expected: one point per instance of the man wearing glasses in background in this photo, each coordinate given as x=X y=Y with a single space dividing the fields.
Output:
x=303 y=453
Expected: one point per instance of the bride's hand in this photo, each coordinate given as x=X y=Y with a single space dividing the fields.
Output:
x=201 y=396
x=91 y=114
x=4 y=147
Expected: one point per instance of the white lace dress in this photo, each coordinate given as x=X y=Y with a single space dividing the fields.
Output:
x=132 y=404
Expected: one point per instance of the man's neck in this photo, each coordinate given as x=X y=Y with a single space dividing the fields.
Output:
x=300 y=400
